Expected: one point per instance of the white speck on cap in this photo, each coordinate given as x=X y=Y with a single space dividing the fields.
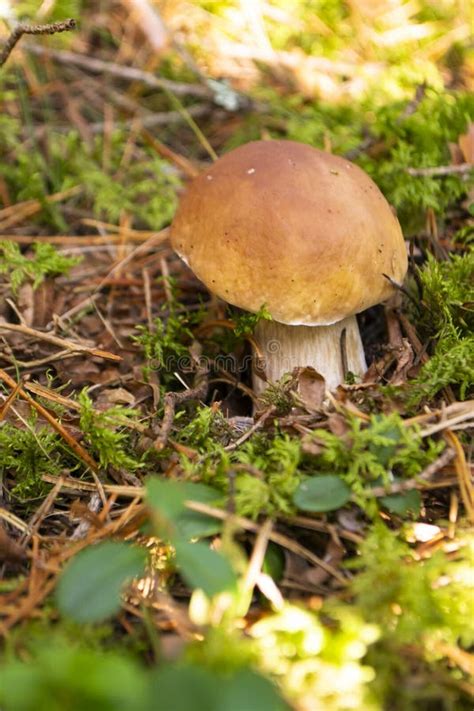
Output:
x=251 y=170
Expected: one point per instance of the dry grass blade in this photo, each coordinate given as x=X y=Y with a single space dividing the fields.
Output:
x=464 y=477
x=13 y=520
x=92 y=240
x=258 y=554
x=14 y=214
x=42 y=511
x=9 y=402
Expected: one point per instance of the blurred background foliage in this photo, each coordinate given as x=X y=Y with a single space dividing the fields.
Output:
x=385 y=82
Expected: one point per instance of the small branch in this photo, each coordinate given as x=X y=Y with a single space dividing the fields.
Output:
x=61 y=342
x=274 y=536
x=423 y=480
x=99 y=66
x=23 y=29
x=440 y=170
x=256 y=426
x=172 y=399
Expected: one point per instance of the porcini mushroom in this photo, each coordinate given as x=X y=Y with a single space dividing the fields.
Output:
x=307 y=234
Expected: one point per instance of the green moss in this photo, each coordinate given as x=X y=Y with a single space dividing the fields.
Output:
x=106 y=433
x=419 y=140
x=46 y=262
x=26 y=453
x=446 y=317
x=452 y=364
x=374 y=452
x=145 y=187
x=245 y=322
x=447 y=296
x=165 y=346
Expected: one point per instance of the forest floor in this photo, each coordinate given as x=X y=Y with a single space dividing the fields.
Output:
x=161 y=526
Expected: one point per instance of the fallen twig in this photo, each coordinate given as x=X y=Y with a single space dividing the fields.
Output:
x=24 y=29
x=172 y=399
x=61 y=342
x=256 y=426
x=440 y=170
x=13 y=214
x=99 y=66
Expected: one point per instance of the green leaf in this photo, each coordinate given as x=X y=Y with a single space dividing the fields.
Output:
x=67 y=676
x=403 y=504
x=247 y=684
x=322 y=493
x=183 y=687
x=204 y=568
x=90 y=586
x=167 y=498
x=274 y=562
x=192 y=524
x=391 y=437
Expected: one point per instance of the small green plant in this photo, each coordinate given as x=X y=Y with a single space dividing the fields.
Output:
x=46 y=262
x=452 y=364
x=267 y=471
x=64 y=674
x=320 y=666
x=206 y=431
x=278 y=460
x=106 y=433
x=245 y=322
x=102 y=571
x=374 y=453
x=447 y=291
x=165 y=345
x=145 y=188
x=264 y=470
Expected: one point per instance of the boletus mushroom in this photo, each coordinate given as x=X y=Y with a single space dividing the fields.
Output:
x=307 y=234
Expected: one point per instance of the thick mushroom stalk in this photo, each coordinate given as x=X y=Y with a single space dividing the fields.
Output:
x=332 y=351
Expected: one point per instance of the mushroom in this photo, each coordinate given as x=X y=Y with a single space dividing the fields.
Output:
x=307 y=234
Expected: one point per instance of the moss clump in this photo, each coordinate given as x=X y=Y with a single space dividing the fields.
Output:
x=106 y=433
x=446 y=317
x=46 y=261
x=422 y=607
x=142 y=185
x=26 y=453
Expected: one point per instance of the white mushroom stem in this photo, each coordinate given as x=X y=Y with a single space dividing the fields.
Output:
x=325 y=348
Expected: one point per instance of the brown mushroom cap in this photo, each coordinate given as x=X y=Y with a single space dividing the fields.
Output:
x=302 y=231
